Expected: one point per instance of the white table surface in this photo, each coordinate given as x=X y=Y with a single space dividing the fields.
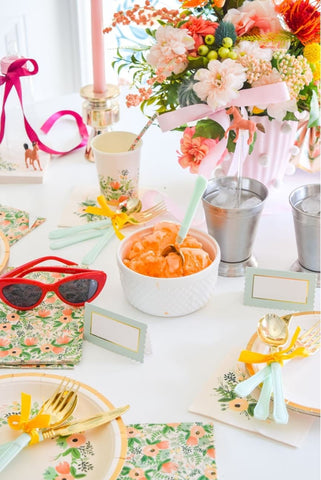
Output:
x=185 y=350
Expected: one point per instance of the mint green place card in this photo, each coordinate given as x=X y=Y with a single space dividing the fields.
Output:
x=283 y=290
x=115 y=332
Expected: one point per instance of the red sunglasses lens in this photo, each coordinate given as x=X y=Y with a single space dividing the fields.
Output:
x=78 y=291
x=22 y=295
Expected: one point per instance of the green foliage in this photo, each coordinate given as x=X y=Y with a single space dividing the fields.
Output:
x=209 y=129
x=225 y=29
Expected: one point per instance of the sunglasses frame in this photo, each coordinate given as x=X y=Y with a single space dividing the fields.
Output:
x=76 y=273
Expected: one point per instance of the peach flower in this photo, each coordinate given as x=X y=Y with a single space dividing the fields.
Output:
x=30 y=341
x=163 y=445
x=197 y=431
x=137 y=474
x=63 y=339
x=44 y=313
x=5 y=327
x=4 y=353
x=12 y=317
x=4 y=342
x=150 y=450
x=192 y=441
x=15 y=352
x=169 y=53
x=211 y=472
x=169 y=467
x=76 y=440
x=194 y=150
x=63 y=467
x=238 y=404
x=258 y=14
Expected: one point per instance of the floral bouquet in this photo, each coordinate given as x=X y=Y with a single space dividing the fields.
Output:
x=204 y=57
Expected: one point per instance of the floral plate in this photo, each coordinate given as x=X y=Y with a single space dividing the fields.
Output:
x=4 y=251
x=97 y=454
x=301 y=376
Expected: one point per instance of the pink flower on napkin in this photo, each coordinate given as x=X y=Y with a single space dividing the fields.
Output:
x=137 y=474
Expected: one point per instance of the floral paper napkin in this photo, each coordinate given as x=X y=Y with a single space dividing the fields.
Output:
x=170 y=450
x=15 y=223
x=217 y=400
x=50 y=335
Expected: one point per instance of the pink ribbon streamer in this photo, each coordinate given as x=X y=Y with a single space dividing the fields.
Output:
x=11 y=80
x=266 y=94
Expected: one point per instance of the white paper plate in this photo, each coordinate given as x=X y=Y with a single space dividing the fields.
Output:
x=4 y=251
x=301 y=376
x=98 y=454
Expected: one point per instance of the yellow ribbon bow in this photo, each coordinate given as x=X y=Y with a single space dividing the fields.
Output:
x=22 y=422
x=247 y=356
x=118 y=220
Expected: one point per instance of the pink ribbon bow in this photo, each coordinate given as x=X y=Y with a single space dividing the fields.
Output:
x=266 y=94
x=11 y=79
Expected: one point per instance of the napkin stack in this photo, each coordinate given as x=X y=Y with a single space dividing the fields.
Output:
x=50 y=335
x=16 y=223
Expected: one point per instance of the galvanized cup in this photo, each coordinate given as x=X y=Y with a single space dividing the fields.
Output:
x=234 y=228
x=307 y=228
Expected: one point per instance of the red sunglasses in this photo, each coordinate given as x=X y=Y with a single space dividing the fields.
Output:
x=80 y=286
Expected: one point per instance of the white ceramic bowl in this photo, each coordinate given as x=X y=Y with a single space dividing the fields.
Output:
x=169 y=297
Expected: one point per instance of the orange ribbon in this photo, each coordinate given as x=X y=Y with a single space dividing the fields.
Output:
x=247 y=356
x=22 y=422
x=118 y=220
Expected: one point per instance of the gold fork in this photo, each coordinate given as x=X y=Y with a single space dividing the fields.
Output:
x=59 y=406
x=64 y=237
x=136 y=219
x=310 y=339
x=146 y=215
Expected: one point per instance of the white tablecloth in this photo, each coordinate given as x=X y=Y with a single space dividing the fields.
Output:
x=185 y=350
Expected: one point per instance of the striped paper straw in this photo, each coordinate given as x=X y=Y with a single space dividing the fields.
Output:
x=141 y=133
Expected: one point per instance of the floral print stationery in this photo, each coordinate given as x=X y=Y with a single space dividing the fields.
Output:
x=218 y=400
x=48 y=335
x=170 y=451
x=15 y=223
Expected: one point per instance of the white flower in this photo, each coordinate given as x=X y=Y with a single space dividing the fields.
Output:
x=220 y=82
x=278 y=110
x=254 y=49
x=169 y=53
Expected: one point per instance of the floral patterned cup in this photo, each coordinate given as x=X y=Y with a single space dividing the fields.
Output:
x=117 y=165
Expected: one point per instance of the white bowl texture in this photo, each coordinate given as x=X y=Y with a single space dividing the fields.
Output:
x=169 y=297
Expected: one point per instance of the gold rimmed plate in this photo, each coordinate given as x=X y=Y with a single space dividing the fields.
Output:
x=4 y=251
x=97 y=454
x=301 y=376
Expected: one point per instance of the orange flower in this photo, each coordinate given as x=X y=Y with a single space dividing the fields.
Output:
x=30 y=341
x=115 y=185
x=65 y=319
x=169 y=467
x=57 y=350
x=197 y=431
x=3 y=353
x=163 y=445
x=5 y=327
x=132 y=432
x=303 y=19
x=67 y=311
x=46 y=347
x=211 y=452
x=13 y=317
x=137 y=473
x=63 y=339
x=238 y=404
x=63 y=467
x=211 y=472
x=4 y=342
x=76 y=440
x=192 y=441
x=44 y=313
x=15 y=352
x=150 y=450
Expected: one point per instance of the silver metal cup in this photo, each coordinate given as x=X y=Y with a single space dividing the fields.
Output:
x=307 y=229
x=234 y=228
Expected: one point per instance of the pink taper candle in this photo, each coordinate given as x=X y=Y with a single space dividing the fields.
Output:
x=97 y=37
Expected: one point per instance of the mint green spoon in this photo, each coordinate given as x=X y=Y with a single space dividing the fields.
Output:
x=199 y=188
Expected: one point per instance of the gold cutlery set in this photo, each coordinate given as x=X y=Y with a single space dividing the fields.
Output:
x=50 y=422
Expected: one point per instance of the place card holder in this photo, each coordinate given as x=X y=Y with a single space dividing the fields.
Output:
x=116 y=333
x=279 y=289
